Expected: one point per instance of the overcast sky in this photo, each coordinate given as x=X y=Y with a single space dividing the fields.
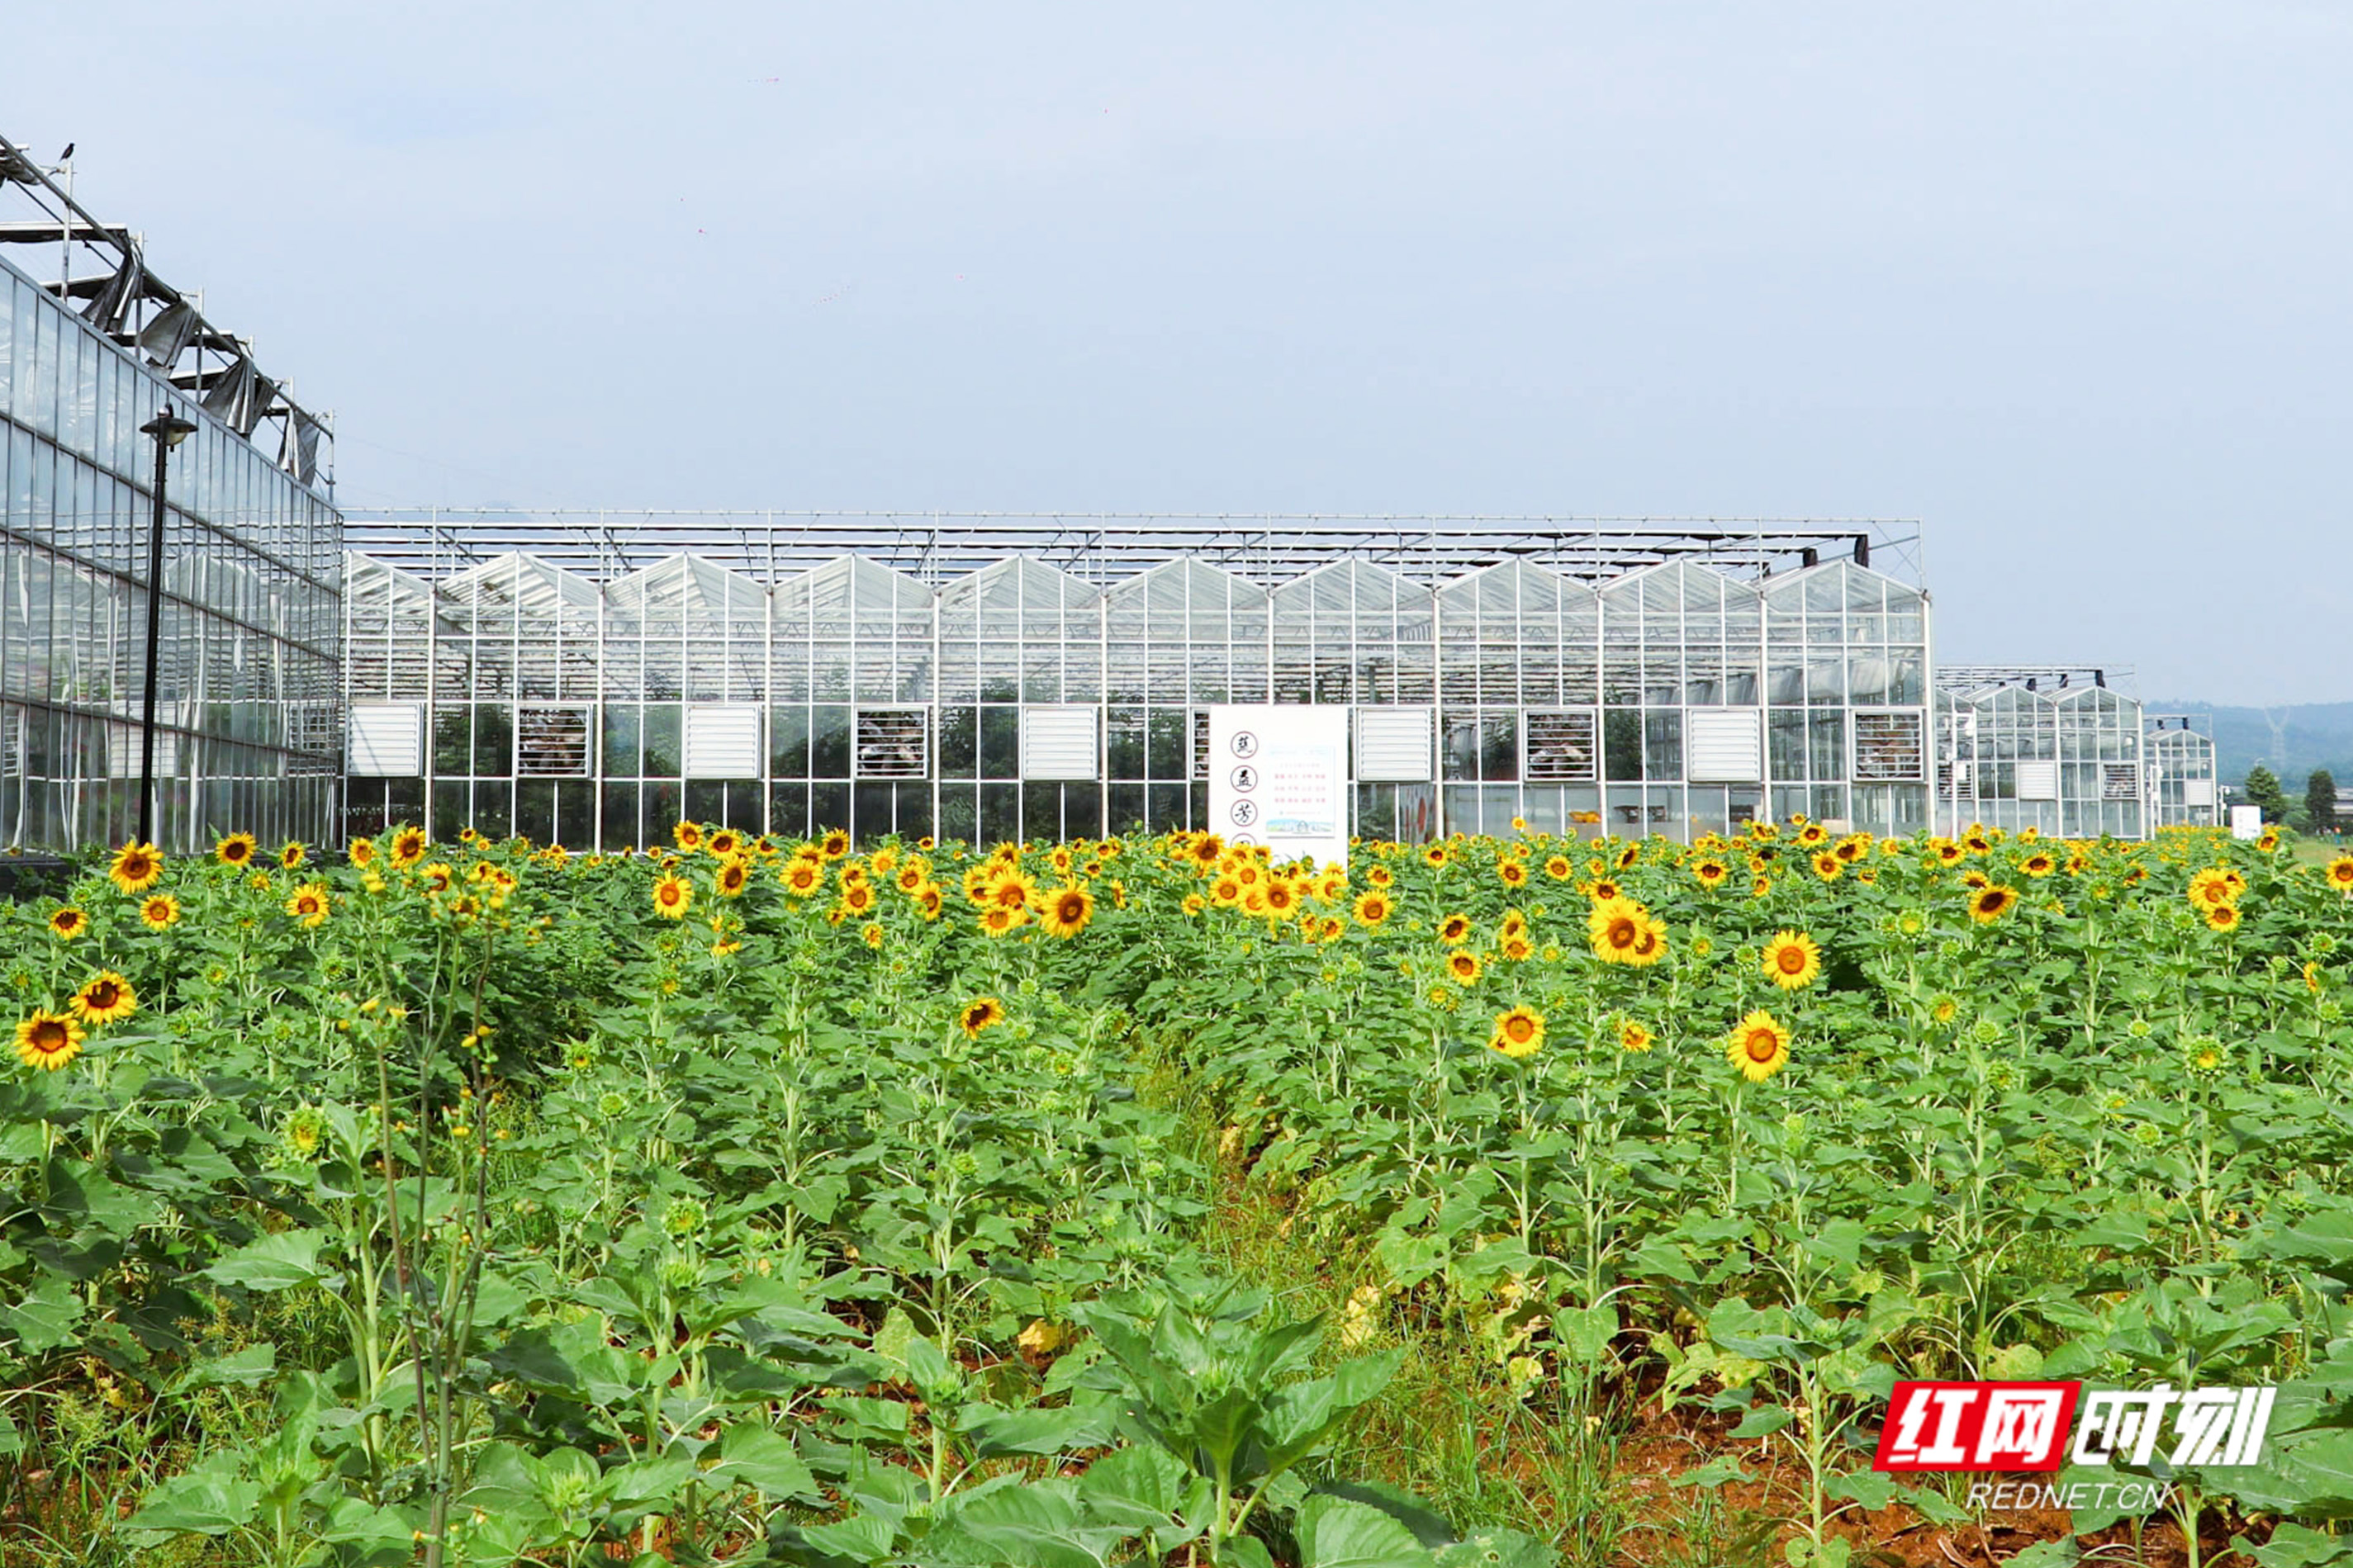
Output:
x=2069 y=282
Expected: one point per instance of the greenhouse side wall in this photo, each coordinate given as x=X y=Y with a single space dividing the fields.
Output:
x=249 y=720
x=1023 y=701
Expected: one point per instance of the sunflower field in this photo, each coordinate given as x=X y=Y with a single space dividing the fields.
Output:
x=1495 y=1201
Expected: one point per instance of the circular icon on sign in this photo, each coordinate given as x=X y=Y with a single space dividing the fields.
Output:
x=1245 y=839
x=1244 y=743
x=1244 y=813
x=1246 y=779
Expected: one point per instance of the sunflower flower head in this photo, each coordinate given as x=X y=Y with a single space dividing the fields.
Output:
x=104 y=998
x=47 y=1041
x=1757 y=1046
x=136 y=868
x=1791 y=959
x=1518 y=1032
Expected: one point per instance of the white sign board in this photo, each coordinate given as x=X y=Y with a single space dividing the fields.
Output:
x=2247 y=821
x=1279 y=776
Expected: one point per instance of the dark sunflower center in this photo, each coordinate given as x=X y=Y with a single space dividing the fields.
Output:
x=1623 y=932
x=48 y=1034
x=1793 y=960
x=104 y=994
x=1519 y=1030
x=1762 y=1045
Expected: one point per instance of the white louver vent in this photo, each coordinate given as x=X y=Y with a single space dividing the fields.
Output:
x=1059 y=741
x=1392 y=745
x=1201 y=743
x=1724 y=745
x=387 y=741
x=2120 y=781
x=1889 y=747
x=892 y=743
x=723 y=740
x=1561 y=747
x=2037 y=781
x=552 y=742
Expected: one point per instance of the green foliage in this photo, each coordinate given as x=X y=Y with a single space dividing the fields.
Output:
x=2262 y=789
x=497 y=1217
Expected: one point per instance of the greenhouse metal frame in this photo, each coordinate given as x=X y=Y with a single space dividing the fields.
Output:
x=249 y=723
x=1638 y=674
x=2184 y=778
x=2056 y=748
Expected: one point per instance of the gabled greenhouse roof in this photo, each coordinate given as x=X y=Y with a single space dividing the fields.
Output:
x=1107 y=547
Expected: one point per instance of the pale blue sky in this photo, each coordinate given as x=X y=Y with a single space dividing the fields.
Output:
x=2068 y=281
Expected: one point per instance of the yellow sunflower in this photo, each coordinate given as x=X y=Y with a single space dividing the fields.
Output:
x=293 y=854
x=1622 y=931
x=928 y=900
x=1757 y=1046
x=1791 y=959
x=834 y=844
x=978 y=1014
x=999 y=920
x=1828 y=866
x=104 y=998
x=408 y=847
x=2039 y=864
x=1372 y=908
x=1711 y=872
x=1515 y=948
x=136 y=868
x=1463 y=966
x=1518 y=1033
x=48 y=1040
x=1067 y=912
x=68 y=923
x=734 y=875
x=1513 y=874
x=673 y=895
x=802 y=877
x=1990 y=903
x=858 y=898
x=361 y=852
x=1434 y=856
x=161 y=912
x=1633 y=1036
x=2223 y=917
x=238 y=849
x=1557 y=868
x=2339 y=873
x=687 y=836
x=308 y=904
x=724 y=842
x=1454 y=930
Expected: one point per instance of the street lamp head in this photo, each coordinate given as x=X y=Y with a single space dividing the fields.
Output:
x=169 y=428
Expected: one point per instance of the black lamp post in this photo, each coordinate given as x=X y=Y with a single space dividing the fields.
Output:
x=169 y=430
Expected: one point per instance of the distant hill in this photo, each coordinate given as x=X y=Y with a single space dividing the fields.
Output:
x=2311 y=735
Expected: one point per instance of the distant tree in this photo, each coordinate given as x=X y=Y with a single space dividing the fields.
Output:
x=2262 y=789
x=2320 y=800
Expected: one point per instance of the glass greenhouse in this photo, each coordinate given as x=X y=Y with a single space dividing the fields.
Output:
x=248 y=721
x=2183 y=787
x=2054 y=748
x=1000 y=679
